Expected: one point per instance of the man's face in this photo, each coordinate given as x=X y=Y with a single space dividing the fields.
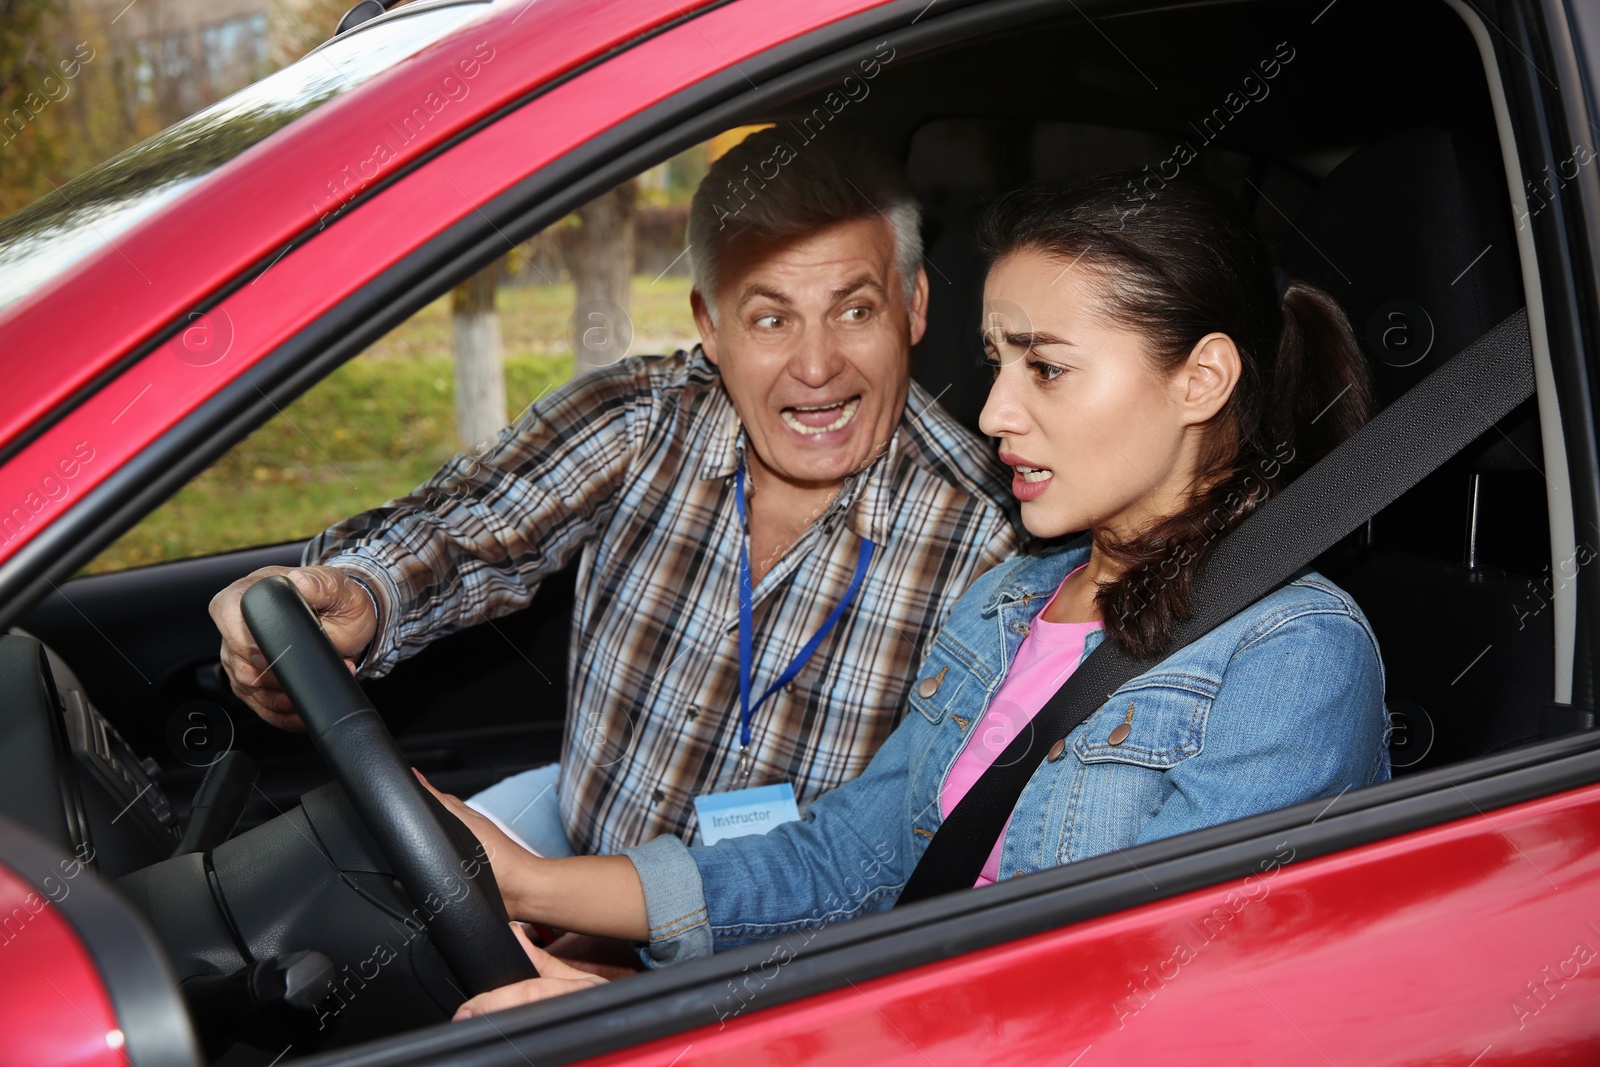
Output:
x=813 y=339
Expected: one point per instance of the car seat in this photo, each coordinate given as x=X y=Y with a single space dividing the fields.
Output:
x=1413 y=235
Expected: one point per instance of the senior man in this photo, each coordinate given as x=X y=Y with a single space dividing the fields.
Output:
x=767 y=527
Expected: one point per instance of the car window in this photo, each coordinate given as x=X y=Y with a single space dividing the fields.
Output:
x=44 y=239
x=381 y=424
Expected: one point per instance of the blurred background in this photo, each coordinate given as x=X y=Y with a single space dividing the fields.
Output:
x=84 y=80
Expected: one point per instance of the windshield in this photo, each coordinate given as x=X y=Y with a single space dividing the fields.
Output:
x=45 y=238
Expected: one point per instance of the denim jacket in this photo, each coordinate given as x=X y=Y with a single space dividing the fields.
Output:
x=1282 y=703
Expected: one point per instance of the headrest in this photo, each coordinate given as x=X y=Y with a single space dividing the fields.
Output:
x=949 y=359
x=1413 y=234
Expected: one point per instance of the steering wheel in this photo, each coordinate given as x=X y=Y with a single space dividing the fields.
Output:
x=435 y=857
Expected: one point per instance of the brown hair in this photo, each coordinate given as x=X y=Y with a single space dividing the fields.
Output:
x=1174 y=264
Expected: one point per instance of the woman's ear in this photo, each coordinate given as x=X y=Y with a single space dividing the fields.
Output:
x=1208 y=377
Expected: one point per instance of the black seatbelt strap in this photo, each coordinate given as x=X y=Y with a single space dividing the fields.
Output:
x=1408 y=440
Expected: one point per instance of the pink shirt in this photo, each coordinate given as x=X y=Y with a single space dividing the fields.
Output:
x=1045 y=660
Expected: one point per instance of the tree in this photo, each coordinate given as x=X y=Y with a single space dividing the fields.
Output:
x=480 y=379
x=599 y=257
x=48 y=132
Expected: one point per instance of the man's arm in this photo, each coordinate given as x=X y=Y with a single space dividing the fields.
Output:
x=470 y=544
x=473 y=542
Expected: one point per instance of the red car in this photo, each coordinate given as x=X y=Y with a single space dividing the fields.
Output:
x=1430 y=163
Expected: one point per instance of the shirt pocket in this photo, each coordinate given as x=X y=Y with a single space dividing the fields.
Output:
x=1102 y=800
x=1165 y=716
x=944 y=679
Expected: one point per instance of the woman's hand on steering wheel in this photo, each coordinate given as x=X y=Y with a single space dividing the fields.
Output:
x=556 y=978
x=513 y=865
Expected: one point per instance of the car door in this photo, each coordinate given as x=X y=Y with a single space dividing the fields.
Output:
x=1442 y=917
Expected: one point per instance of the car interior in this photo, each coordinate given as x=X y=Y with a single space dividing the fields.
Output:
x=1372 y=158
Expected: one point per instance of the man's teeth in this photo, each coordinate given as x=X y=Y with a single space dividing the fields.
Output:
x=1034 y=474
x=847 y=411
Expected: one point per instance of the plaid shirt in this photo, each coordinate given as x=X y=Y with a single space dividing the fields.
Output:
x=630 y=470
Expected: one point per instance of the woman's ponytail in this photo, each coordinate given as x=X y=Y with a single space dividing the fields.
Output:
x=1322 y=388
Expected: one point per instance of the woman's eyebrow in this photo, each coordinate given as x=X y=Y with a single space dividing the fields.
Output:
x=1035 y=339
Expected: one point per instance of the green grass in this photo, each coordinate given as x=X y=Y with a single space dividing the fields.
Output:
x=534 y=320
x=375 y=428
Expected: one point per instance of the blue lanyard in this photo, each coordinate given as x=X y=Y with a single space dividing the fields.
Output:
x=746 y=710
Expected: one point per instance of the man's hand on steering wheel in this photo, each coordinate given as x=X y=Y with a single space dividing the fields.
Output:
x=343 y=608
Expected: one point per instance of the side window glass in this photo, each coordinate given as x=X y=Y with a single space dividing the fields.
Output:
x=451 y=376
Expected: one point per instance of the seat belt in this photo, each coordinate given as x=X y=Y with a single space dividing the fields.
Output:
x=1404 y=443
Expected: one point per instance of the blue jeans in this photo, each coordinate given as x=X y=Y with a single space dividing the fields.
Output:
x=527 y=805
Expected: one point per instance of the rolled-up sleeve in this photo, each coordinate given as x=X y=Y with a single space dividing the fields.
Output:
x=675 y=901
x=474 y=541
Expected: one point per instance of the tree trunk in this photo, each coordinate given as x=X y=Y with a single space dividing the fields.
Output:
x=600 y=258
x=480 y=381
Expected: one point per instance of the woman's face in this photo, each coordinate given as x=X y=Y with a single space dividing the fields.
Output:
x=1096 y=437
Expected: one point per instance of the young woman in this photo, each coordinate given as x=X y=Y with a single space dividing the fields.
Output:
x=1155 y=380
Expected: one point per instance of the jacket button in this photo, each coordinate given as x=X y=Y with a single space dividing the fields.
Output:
x=1120 y=732
x=930 y=685
x=1056 y=750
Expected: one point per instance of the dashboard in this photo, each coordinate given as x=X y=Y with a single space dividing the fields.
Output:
x=67 y=774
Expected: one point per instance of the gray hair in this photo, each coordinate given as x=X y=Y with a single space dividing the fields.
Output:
x=765 y=187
